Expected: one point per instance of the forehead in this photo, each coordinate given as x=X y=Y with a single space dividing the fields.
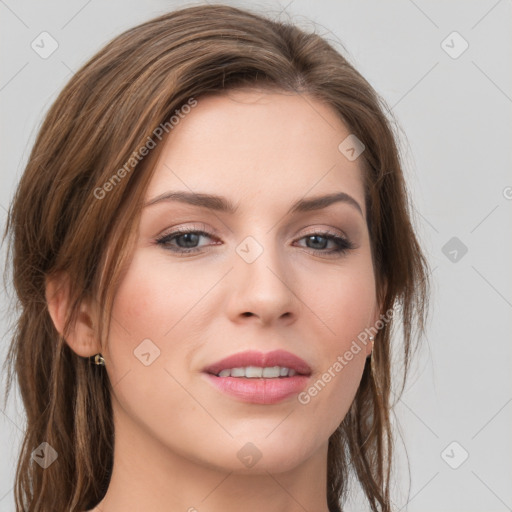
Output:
x=258 y=147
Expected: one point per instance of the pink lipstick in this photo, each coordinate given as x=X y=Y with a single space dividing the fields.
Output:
x=260 y=378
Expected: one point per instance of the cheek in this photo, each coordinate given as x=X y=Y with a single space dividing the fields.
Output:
x=149 y=318
x=145 y=308
x=345 y=305
x=155 y=296
x=156 y=311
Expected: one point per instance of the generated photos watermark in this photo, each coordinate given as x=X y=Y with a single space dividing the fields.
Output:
x=342 y=360
x=137 y=156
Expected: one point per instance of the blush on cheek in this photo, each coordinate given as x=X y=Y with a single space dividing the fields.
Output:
x=142 y=299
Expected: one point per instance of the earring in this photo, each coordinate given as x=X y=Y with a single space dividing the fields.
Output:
x=372 y=365
x=98 y=359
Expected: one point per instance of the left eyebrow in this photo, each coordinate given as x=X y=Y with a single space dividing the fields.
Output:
x=320 y=202
x=222 y=204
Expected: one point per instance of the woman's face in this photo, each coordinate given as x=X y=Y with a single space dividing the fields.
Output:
x=263 y=278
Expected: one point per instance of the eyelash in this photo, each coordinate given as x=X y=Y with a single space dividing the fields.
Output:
x=343 y=245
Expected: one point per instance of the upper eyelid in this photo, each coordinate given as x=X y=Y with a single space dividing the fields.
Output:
x=212 y=232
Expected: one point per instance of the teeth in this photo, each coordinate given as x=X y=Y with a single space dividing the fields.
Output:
x=255 y=372
x=271 y=373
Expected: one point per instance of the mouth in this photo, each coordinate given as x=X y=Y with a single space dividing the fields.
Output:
x=258 y=372
x=259 y=378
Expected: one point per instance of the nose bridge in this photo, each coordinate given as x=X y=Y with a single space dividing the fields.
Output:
x=262 y=277
x=260 y=259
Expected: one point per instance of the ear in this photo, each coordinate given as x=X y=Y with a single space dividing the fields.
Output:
x=81 y=338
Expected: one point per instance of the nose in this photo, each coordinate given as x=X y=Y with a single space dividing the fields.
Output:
x=261 y=291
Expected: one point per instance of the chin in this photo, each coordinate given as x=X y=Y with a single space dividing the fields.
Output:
x=257 y=455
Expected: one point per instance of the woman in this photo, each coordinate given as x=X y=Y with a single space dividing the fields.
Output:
x=211 y=243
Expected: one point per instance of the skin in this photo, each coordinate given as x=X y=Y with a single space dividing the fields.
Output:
x=177 y=437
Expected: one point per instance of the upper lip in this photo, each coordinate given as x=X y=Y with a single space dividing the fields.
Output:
x=254 y=358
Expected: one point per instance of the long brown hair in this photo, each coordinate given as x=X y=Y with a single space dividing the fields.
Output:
x=59 y=223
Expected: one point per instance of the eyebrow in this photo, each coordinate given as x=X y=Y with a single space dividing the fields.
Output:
x=222 y=204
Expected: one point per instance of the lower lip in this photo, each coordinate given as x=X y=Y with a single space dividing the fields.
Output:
x=259 y=391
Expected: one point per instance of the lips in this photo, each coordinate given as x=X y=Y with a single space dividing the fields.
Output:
x=280 y=358
x=294 y=374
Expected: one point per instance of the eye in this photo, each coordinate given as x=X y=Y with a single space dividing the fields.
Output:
x=319 y=240
x=186 y=240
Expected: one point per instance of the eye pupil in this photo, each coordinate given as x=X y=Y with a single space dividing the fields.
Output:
x=314 y=239
x=187 y=236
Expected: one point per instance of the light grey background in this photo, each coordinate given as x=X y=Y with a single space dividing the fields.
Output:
x=456 y=114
